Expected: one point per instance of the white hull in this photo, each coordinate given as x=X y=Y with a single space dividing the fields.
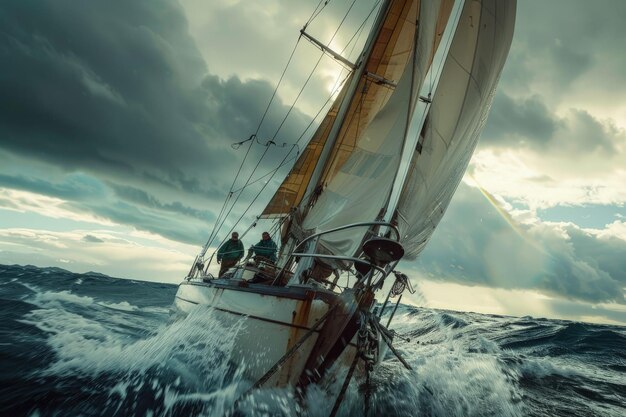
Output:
x=268 y=321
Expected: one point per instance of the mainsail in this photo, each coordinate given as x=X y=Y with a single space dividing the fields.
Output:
x=359 y=172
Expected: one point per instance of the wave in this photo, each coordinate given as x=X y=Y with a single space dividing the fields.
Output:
x=86 y=344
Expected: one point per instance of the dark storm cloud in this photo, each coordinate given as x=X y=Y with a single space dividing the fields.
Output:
x=121 y=204
x=529 y=122
x=564 y=56
x=117 y=98
x=238 y=108
x=81 y=187
x=559 y=41
x=100 y=85
x=476 y=245
x=75 y=187
x=606 y=253
x=154 y=221
x=91 y=239
x=538 y=54
x=120 y=90
x=517 y=120
x=140 y=197
x=588 y=134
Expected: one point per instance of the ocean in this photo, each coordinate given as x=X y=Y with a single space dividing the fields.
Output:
x=91 y=345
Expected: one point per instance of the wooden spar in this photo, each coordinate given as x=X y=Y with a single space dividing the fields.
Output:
x=329 y=51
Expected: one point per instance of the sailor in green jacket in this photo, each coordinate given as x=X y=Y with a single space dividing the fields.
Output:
x=230 y=253
x=266 y=248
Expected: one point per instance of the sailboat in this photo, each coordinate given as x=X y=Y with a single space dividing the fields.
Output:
x=367 y=191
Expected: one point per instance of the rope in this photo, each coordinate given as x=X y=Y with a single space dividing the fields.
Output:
x=360 y=28
x=219 y=221
x=278 y=85
x=237 y=199
x=390 y=345
x=273 y=172
x=368 y=391
x=336 y=87
x=284 y=358
x=313 y=71
x=344 y=387
x=316 y=12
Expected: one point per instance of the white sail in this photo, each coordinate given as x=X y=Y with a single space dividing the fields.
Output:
x=361 y=186
x=457 y=115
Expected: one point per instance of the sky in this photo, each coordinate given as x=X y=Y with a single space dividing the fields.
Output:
x=118 y=120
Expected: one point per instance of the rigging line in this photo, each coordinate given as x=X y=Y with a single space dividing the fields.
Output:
x=358 y=32
x=278 y=85
x=239 y=195
x=260 y=191
x=220 y=221
x=274 y=137
x=360 y=28
x=257 y=195
x=336 y=88
x=280 y=165
x=219 y=217
x=257 y=131
x=250 y=139
x=214 y=231
x=275 y=229
x=316 y=12
x=284 y=161
x=249 y=206
x=282 y=123
x=223 y=220
x=314 y=68
x=293 y=105
x=345 y=16
x=303 y=87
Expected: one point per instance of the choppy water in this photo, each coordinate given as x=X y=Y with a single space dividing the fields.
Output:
x=91 y=345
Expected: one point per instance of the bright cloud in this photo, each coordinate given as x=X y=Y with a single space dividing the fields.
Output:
x=111 y=252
